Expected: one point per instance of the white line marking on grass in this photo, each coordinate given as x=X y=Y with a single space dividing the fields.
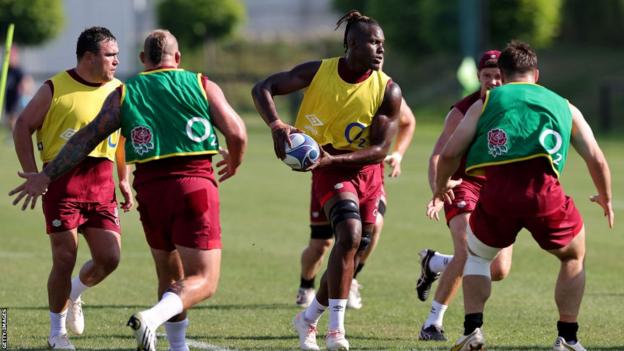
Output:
x=204 y=346
x=199 y=345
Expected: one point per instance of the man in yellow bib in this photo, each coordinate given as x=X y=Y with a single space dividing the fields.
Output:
x=351 y=108
x=83 y=200
x=322 y=236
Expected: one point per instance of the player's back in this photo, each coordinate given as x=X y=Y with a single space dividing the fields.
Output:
x=523 y=188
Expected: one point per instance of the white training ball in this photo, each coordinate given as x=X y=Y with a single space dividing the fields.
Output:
x=303 y=153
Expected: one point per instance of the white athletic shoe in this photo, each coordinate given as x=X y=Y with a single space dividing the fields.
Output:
x=307 y=333
x=60 y=342
x=472 y=342
x=562 y=345
x=336 y=341
x=355 y=299
x=305 y=297
x=75 y=318
x=145 y=337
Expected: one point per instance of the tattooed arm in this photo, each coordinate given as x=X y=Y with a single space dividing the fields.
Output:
x=86 y=139
x=75 y=150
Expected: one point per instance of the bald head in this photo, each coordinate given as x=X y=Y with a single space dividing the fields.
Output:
x=161 y=48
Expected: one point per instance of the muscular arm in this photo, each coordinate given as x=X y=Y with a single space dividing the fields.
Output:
x=407 y=124
x=456 y=147
x=383 y=130
x=86 y=139
x=229 y=124
x=123 y=175
x=585 y=144
x=28 y=122
x=453 y=117
x=123 y=170
x=279 y=84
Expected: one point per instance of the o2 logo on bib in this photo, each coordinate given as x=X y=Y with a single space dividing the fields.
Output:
x=198 y=129
x=551 y=141
x=353 y=134
x=113 y=140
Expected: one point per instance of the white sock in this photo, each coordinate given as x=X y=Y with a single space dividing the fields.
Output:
x=439 y=261
x=77 y=288
x=176 y=335
x=314 y=311
x=337 y=309
x=436 y=315
x=57 y=323
x=169 y=305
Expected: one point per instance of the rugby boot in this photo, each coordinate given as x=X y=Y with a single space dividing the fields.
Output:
x=427 y=277
x=145 y=336
x=75 y=318
x=562 y=345
x=354 y=300
x=336 y=341
x=432 y=333
x=472 y=342
x=60 y=342
x=307 y=333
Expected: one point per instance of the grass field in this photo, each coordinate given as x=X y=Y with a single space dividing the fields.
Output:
x=264 y=219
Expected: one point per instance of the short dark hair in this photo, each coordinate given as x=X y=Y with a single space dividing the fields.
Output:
x=352 y=17
x=517 y=57
x=90 y=39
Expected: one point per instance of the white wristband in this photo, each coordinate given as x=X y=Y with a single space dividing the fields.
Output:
x=397 y=156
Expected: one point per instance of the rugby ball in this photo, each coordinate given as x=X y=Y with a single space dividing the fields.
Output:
x=303 y=152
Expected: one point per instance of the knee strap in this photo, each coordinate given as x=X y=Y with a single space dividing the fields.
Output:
x=480 y=256
x=342 y=210
x=476 y=265
x=381 y=208
x=367 y=237
x=477 y=247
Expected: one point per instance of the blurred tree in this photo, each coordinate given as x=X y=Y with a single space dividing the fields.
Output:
x=36 y=21
x=536 y=22
x=425 y=26
x=345 y=5
x=195 y=22
x=595 y=22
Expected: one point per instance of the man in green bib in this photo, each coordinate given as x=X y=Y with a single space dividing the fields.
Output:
x=168 y=116
x=519 y=138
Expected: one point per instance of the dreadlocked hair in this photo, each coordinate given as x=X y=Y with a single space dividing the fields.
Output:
x=353 y=17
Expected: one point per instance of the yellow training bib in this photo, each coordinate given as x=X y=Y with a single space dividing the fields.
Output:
x=339 y=113
x=74 y=105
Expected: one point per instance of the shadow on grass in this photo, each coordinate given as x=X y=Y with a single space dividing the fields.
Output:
x=542 y=347
x=88 y=306
x=605 y=294
x=504 y=348
x=44 y=348
x=268 y=306
x=387 y=341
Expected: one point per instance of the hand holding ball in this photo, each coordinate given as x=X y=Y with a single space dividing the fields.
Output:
x=303 y=153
